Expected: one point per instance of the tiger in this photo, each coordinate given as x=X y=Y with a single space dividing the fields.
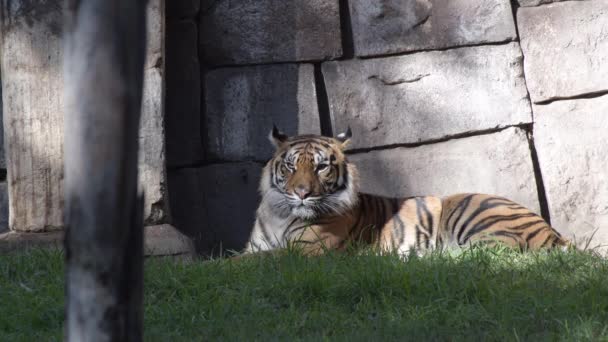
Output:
x=310 y=198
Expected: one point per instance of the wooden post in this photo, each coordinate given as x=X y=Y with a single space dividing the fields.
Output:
x=103 y=75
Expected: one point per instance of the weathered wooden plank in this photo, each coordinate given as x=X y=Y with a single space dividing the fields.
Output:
x=152 y=171
x=32 y=82
x=33 y=112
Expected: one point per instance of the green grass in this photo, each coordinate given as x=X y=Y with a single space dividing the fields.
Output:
x=478 y=294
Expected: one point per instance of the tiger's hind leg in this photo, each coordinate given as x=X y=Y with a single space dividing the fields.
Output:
x=472 y=218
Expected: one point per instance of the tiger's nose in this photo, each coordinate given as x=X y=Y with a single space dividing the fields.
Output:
x=302 y=191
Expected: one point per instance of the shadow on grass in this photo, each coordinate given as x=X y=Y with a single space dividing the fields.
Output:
x=481 y=293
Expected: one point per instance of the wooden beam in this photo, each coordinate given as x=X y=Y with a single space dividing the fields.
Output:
x=103 y=75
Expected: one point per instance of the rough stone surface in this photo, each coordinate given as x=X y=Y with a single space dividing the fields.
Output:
x=183 y=106
x=572 y=145
x=263 y=31
x=565 y=47
x=498 y=163
x=33 y=113
x=3 y=207
x=215 y=204
x=164 y=239
x=390 y=26
x=528 y=3
x=428 y=95
x=178 y=9
x=161 y=240
x=152 y=174
x=243 y=103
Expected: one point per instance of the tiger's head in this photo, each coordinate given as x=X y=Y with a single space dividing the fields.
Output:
x=309 y=176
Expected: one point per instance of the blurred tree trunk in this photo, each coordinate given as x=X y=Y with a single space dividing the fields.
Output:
x=103 y=74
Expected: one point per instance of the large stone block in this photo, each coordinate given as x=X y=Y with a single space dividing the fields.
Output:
x=565 y=47
x=32 y=85
x=572 y=145
x=498 y=163
x=263 y=31
x=427 y=95
x=243 y=103
x=165 y=240
x=216 y=204
x=390 y=26
x=183 y=102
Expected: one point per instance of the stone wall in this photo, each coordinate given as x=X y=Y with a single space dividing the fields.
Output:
x=443 y=96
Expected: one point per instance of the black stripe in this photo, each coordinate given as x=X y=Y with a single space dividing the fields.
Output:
x=344 y=179
x=534 y=233
x=324 y=144
x=429 y=217
x=463 y=205
x=395 y=205
x=472 y=232
x=554 y=242
x=484 y=224
x=528 y=225
x=422 y=207
x=383 y=210
x=555 y=232
x=356 y=227
x=501 y=216
x=544 y=243
x=483 y=206
x=418 y=213
x=304 y=242
x=506 y=233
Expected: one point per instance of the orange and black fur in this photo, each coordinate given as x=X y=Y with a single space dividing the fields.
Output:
x=310 y=198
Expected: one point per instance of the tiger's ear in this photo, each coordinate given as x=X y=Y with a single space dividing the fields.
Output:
x=344 y=138
x=277 y=138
